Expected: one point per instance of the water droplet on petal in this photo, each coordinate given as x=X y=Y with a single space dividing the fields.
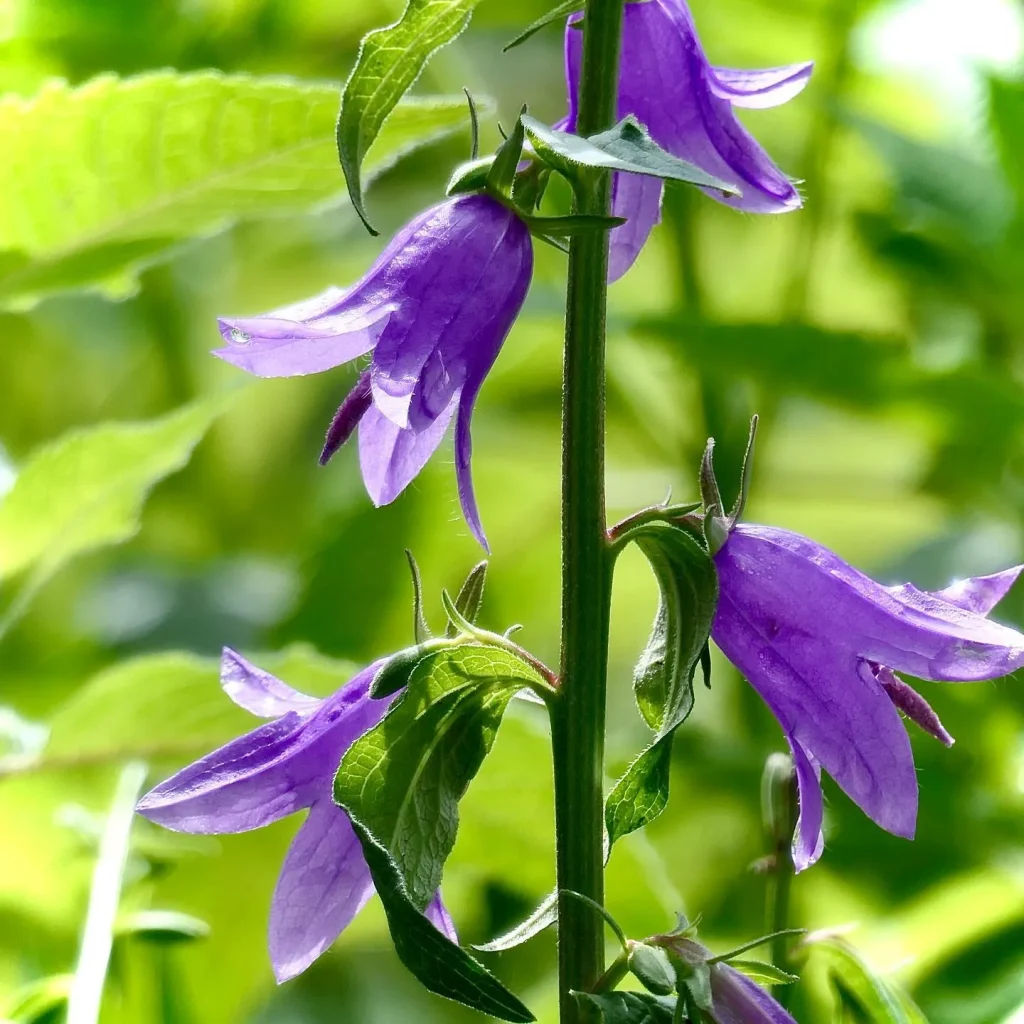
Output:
x=239 y=337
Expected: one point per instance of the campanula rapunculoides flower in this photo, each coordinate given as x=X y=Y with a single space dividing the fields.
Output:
x=285 y=766
x=687 y=106
x=735 y=999
x=434 y=310
x=821 y=643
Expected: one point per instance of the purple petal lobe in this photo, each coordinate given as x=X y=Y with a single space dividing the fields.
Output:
x=347 y=418
x=390 y=457
x=323 y=884
x=809 y=841
x=276 y=345
x=909 y=701
x=813 y=591
x=814 y=690
x=259 y=692
x=738 y=1000
x=982 y=593
x=438 y=915
x=768 y=87
x=638 y=199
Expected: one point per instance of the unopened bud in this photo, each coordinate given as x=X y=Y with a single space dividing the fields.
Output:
x=779 y=804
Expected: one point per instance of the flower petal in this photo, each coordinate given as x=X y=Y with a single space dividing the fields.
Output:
x=759 y=89
x=804 y=588
x=324 y=883
x=390 y=458
x=638 y=199
x=276 y=346
x=248 y=783
x=981 y=593
x=259 y=692
x=813 y=688
x=809 y=840
x=439 y=917
x=738 y=1000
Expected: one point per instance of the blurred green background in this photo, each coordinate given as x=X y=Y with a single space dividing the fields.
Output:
x=879 y=333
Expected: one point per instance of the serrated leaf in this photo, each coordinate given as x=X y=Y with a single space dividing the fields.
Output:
x=559 y=13
x=404 y=778
x=86 y=490
x=389 y=62
x=140 y=164
x=630 y=1007
x=664 y=677
x=626 y=147
x=876 y=1000
x=436 y=962
x=764 y=973
x=543 y=917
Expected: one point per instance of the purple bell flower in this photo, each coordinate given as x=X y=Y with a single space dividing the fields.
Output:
x=821 y=643
x=435 y=310
x=285 y=766
x=687 y=106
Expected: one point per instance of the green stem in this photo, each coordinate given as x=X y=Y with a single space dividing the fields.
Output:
x=578 y=716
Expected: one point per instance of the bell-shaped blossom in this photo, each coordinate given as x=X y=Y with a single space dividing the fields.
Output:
x=285 y=766
x=735 y=999
x=821 y=643
x=687 y=104
x=434 y=310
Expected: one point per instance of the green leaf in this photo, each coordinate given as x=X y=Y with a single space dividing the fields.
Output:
x=162 y=927
x=630 y=1007
x=436 y=962
x=764 y=973
x=389 y=62
x=42 y=1002
x=402 y=780
x=86 y=491
x=664 y=677
x=140 y=164
x=626 y=147
x=542 y=918
x=876 y=1000
x=559 y=13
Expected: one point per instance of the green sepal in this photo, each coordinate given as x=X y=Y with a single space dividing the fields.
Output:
x=395 y=673
x=502 y=174
x=626 y=147
x=420 y=628
x=629 y=1007
x=470 y=599
x=434 y=960
x=470 y=177
x=570 y=226
x=651 y=967
x=161 y=927
x=696 y=979
x=559 y=13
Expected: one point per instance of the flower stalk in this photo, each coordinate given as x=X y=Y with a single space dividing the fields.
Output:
x=578 y=717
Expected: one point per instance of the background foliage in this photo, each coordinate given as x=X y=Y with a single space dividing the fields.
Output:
x=879 y=334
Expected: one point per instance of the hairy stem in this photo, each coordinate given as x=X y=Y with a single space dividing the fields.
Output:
x=578 y=716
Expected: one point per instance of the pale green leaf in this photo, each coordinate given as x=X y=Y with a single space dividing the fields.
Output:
x=103 y=179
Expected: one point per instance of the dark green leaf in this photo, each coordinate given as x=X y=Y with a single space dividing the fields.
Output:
x=630 y=1007
x=471 y=596
x=543 y=917
x=626 y=147
x=664 y=677
x=560 y=13
x=404 y=778
x=436 y=962
x=875 y=999
x=389 y=62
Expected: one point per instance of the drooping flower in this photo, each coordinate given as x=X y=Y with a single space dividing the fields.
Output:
x=285 y=766
x=686 y=103
x=434 y=310
x=734 y=998
x=821 y=643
